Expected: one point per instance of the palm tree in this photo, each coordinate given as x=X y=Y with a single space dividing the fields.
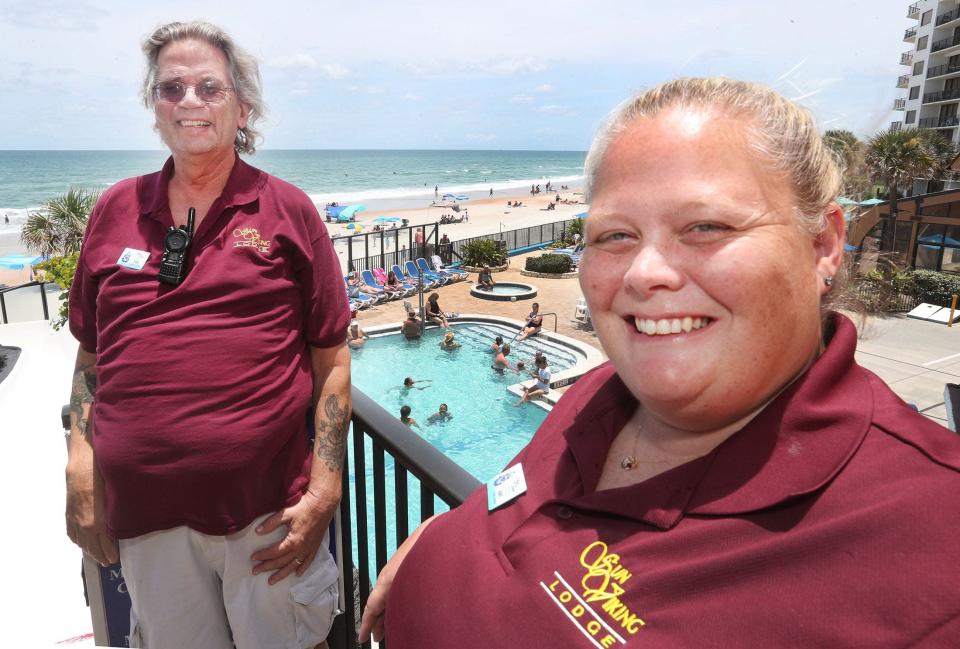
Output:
x=848 y=151
x=58 y=227
x=894 y=157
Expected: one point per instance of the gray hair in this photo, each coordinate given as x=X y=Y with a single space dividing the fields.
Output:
x=244 y=72
x=782 y=134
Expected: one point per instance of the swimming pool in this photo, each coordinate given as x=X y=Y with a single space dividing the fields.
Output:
x=485 y=431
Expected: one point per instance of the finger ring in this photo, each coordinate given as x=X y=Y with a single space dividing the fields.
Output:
x=299 y=562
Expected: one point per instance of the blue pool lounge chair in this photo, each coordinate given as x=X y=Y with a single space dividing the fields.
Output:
x=412 y=280
x=435 y=280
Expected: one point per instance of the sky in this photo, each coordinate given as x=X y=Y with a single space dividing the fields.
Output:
x=445 y=75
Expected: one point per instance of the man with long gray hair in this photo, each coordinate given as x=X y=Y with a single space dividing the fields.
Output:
x=211 y=321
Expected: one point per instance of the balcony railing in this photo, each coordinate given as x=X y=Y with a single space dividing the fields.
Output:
x=903 y=81
x=944 y=43
x=913 y=10
x=948 y=17
x=899 y=104
x=910 y=34
x=895 y=126
x=942 y=95
x=906 y=58
x=941 y=70
x=939 y=122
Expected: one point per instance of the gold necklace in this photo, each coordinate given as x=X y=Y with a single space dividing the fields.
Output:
x=630 y=462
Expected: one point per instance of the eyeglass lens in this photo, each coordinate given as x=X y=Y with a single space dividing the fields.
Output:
x=174 y=91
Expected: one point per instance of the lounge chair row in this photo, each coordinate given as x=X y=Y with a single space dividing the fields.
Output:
x=408 y=276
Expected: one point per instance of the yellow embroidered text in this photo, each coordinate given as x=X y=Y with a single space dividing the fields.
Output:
x=604 y=581
x=250 y=238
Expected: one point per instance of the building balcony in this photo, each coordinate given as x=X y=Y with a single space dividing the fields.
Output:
x=941 y=96
x=948 y=17
x=903 y=81
x=939 y=122
x=910 y=35
x=895 y=126
x=900 y=104
x=943 y=70
x=906 y=58
x=945 y=43
x=913 y=11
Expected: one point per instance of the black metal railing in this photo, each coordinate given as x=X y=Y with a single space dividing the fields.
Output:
x=948 y=17
x=913 y=9
x=910 y=33
x=940 y=70
x=899 y=104
x=944 y=43
x=883 y=297
x=903 y=81
x=906 y=58
x=518 y=239
x=941 y=95
x=9 y=289
x=938 y=122
x=411 y=457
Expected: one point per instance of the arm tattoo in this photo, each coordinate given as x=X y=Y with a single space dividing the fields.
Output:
x=331 y=437
x=81 y=394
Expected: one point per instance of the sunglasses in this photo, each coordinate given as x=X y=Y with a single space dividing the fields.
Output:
x=209 y=92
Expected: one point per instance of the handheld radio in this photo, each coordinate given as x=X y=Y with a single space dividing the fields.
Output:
x=176 y=243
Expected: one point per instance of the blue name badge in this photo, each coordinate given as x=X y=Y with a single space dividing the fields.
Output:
x=133 y=259
x=505 y=487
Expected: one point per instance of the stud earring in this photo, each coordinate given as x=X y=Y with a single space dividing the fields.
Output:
x=828 y=281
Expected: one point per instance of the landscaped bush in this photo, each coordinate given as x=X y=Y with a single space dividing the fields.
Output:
x=61 y=270
x=483 y=252
x=935 y=288
x=548 y=263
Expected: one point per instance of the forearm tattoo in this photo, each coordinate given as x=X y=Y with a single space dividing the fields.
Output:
x=82 y=394
x=331 y=438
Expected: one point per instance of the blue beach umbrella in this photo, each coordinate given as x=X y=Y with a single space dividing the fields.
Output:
x=872 y=201
x=387 y=219
x=581 y=215
x=461 y=197
x=843 y=200
x=18 y=262
x=354 y=226
x=348 y=213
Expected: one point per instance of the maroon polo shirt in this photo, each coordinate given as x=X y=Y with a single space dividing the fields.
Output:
x=203 y=388
x=830 y=520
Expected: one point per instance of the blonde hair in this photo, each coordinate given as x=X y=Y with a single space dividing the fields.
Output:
x=782 y=134
x=244 y=72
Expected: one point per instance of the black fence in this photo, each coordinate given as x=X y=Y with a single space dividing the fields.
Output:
x=8 y=290
x=384 y=248
x=390 y=446
x=885 y=297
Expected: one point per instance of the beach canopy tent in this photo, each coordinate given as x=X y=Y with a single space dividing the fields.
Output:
x=348 y=213
x=18 y=262
x=334 y=211
x=461 y=197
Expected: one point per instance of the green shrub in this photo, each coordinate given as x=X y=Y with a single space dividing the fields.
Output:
x=61 y=270
x=548 y=263
x=935 y=288
x=483 y=252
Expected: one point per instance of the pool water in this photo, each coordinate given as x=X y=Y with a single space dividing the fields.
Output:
x=504 y=288
x=485 y=430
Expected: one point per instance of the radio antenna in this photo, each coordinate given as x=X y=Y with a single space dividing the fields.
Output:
x=191 y=217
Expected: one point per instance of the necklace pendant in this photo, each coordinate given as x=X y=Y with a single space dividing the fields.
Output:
x=628 y=463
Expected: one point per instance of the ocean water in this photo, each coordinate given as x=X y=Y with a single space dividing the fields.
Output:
x=28 y=178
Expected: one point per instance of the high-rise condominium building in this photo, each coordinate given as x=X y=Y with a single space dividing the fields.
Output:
x=932 y=79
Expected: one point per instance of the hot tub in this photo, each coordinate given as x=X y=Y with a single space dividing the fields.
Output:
x=505 y=292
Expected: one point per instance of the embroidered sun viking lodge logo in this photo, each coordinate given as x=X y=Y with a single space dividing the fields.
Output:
x=250 y=238
x=594 y=605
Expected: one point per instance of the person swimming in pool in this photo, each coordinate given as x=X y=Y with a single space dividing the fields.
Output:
x=500 y=363
x=442 y=415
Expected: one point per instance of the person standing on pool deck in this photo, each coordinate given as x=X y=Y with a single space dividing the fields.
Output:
x=193 y=384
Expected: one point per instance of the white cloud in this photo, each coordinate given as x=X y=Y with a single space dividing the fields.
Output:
x=52 y=14
x=481 y=137
x=366 y=90
x=335 y=70
x=513 y=66
x=411 y=97
x=544 y=87
x=521 y=99
x=293 y=61
x=555 y=109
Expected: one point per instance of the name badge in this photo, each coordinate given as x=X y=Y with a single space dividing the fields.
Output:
x=133 y=259
x=505 y=487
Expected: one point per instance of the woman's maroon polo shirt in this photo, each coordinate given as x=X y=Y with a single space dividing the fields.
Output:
x=830 y=520
x=203 y=388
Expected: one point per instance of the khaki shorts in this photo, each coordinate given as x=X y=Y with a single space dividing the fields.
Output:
x=194 y=590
